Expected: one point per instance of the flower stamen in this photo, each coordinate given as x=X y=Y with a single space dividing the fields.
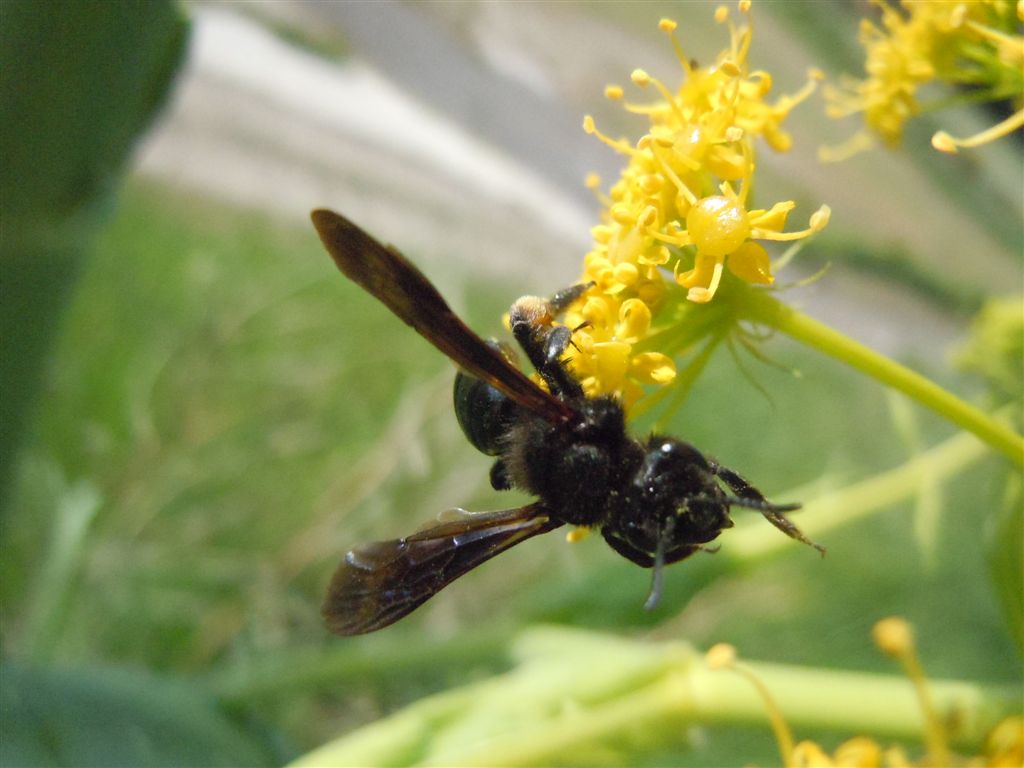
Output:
x=943 y=142
x=684 y=195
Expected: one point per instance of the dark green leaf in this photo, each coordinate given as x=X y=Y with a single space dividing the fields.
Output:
x=114 y=717
x=81 y=80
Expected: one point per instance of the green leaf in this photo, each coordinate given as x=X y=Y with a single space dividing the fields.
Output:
x=81 y=80
x=113 y=717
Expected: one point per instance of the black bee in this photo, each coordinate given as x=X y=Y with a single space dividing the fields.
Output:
x=655 y=501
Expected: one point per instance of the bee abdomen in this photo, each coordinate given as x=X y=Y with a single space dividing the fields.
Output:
x=484 y=413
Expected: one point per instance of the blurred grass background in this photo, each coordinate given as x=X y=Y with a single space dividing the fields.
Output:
x=221 y=416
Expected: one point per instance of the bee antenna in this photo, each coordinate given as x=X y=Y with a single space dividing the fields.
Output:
x=657 y=575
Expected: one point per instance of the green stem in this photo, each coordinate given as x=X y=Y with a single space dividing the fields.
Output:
x=579 y=696
x=762 y=308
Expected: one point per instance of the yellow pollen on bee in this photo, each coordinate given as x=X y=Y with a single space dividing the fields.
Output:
x=577 y=535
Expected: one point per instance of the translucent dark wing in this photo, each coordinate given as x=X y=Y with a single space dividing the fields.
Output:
x=379 y=583
x=391 y=278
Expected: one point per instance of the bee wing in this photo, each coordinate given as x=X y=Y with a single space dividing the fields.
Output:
x=390 y=277
x=379 y=583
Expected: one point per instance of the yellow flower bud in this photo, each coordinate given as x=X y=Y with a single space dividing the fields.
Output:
x=893 y=636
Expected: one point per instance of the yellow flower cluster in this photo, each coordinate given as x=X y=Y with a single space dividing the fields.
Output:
x=681 y=204
x=976 y=44
x=894 y=636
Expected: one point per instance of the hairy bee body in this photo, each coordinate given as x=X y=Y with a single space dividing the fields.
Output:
x=655 y=501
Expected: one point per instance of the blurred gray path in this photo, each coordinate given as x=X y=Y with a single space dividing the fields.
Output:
x=271 y=126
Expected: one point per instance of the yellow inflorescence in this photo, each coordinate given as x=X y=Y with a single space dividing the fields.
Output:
x=1004 y=746
x=976 y=44
x=681 y=205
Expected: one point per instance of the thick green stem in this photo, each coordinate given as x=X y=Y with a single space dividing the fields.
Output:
x=766 y=310
x=577 y=696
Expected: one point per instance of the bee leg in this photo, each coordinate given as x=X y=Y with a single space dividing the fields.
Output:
x=773 y=513
x=532 y=321
x=736 y=483
x=560 y=337
x=544 y=344
x=552 y=369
